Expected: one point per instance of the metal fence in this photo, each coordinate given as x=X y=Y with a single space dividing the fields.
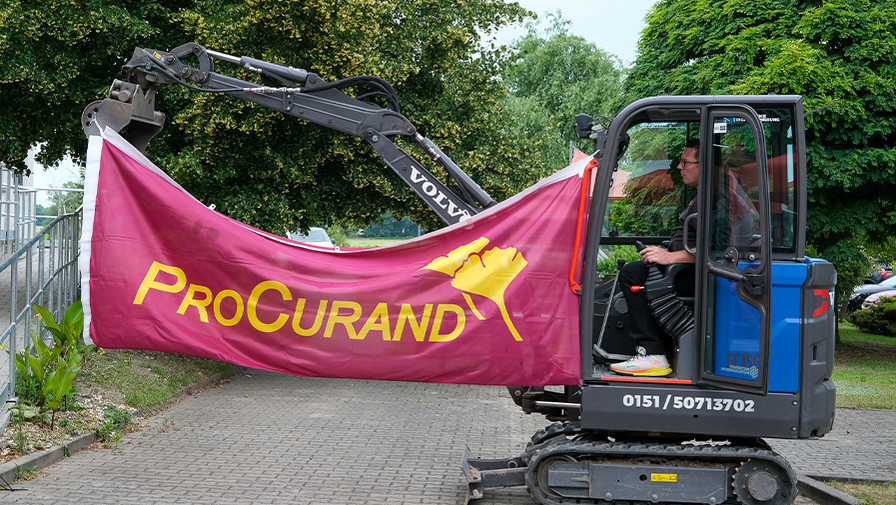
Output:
x=18 y=211
x=41 y=271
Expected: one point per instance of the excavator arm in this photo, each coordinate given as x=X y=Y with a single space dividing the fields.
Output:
x=130 y=109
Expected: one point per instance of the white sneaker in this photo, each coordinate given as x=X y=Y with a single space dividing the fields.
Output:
x=654 y=365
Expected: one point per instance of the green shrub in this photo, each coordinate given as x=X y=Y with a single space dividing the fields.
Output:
x=628 y=253
x=338 y=234
x=45 y=375
x=880 y=319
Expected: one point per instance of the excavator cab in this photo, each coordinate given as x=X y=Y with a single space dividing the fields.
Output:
x=646 y=200
x=758 y=319
x=750 y=324
x=748 y=244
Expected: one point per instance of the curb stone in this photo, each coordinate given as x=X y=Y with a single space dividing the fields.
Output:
x=9 y=471
x=852 y=480
x=824 y=494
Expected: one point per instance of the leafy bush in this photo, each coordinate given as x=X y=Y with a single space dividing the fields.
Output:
x=338 y=234
x=607 y=266
x=880 y=319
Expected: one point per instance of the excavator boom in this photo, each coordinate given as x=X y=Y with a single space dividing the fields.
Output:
x=129 y=109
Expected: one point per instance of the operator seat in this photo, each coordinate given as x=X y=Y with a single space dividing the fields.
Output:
x=670 y=297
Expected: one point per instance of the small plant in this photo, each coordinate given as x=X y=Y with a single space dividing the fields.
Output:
x=110 y=431
x=116 y=415
x=19 y=441
x=27 y=473
x=46 y=374
x=19 y=414
x=166 y=425
x=113 y=437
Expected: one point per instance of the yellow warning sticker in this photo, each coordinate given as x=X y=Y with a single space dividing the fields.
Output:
x=664 y=477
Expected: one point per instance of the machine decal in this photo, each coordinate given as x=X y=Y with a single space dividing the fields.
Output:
x=420 y=182
x=664 y=477
x=746 y=364
x=824 y=294
x=676 y=402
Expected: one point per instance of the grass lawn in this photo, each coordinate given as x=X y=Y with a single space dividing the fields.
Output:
x=865 y=375
x=372 y=242
x=143 y=380
x=865 y=369
x=871 y=493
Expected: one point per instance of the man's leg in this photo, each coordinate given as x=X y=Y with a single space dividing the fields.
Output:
x=643 y=328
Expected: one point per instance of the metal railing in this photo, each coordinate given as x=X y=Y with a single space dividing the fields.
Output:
x=19 y=220
x=18 y=209
x=42 y=271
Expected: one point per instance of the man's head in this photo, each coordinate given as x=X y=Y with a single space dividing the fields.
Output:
x=689 y=164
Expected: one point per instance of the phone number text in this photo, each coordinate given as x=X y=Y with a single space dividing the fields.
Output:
x=688 y=403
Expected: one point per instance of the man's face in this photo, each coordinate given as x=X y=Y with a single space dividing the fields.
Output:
x=690 y=167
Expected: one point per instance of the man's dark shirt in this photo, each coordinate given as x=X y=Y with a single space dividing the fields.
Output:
x=676 y=241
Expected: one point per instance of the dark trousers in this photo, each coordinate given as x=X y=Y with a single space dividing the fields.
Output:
x=641 y=325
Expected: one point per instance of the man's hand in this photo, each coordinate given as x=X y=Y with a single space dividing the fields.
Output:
x=661 y=256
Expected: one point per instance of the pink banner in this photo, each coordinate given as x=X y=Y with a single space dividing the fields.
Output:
x=486 y=301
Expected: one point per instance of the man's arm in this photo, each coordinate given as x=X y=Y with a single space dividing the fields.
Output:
x=661 y=256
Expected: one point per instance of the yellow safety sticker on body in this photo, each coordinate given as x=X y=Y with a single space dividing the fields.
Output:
x=664 y=477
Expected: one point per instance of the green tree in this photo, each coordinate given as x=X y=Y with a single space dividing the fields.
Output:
x=389 y=227
x=553 y=77
x=60 y=56
x=840 y=55
x=67 y=201
x=258 y=166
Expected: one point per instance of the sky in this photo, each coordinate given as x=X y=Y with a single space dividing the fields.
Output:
x=51 y=177
x=611 y=25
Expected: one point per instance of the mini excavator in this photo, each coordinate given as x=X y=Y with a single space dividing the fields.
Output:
x=751 y=329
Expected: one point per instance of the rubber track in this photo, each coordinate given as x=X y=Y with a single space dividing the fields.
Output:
x=587 y=450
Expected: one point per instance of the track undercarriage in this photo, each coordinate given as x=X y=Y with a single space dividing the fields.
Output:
x=563 y=464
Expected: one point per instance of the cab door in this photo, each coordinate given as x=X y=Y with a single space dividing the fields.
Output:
x=733 y=251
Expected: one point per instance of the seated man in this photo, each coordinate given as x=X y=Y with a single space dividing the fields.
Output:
x=649 y=338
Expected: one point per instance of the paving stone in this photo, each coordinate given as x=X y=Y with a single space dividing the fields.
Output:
x=862 y=445
x=268 y=438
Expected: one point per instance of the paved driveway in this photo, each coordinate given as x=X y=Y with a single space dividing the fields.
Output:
x=267 y=438
x=271 y=438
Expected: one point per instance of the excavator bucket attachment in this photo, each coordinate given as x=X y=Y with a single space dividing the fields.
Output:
x=129 y=110
x=483 y=474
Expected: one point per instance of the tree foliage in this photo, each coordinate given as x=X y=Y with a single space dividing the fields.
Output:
x=388 y=227
x=58 y=56
x=254 y=164
x=839 y=54
x=68 y=201
x=552 y=77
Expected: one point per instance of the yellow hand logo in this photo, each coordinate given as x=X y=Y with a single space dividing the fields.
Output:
x=449 y=264
x=488 y=274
